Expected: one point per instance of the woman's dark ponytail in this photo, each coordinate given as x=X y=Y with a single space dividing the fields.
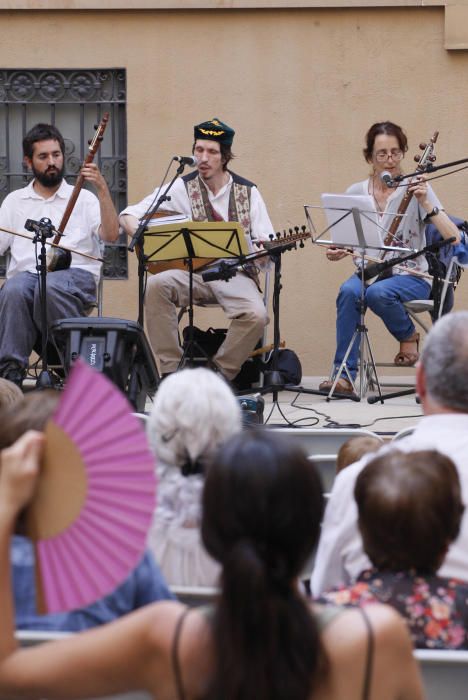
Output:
x=262 y=511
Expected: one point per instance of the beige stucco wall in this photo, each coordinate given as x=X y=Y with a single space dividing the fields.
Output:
x=301 y=87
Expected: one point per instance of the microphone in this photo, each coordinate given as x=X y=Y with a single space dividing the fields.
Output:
x=223 y=271
x=187 y=160
x=387 y=178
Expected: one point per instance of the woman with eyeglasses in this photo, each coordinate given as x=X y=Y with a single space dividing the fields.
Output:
x=385 y=148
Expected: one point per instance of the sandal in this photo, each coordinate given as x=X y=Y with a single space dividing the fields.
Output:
x=343 y=386
x=406 y=358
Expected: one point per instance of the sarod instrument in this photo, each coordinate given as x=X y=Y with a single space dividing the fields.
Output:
x=391 y=237
x=60 y=259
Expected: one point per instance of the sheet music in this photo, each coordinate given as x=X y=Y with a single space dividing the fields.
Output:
x=343 y=229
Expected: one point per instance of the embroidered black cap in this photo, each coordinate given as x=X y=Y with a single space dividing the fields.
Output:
x=214 y=130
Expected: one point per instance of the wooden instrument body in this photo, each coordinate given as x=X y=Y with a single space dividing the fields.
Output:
x=287 y=240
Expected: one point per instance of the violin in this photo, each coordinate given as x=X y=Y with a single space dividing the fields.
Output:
x=60 y=258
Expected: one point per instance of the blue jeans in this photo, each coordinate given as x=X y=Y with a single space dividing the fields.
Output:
x=384 y=298
x=69 y=294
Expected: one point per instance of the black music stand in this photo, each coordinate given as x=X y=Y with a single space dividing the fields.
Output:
x=184 y=243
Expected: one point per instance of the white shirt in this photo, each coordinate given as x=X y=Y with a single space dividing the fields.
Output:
x=174 y=537
x=340 y=556
x=81 y=232
x=261 y=226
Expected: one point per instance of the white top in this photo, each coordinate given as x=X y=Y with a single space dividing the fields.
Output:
x=174 y=537
x=81 y=232
x=410 y=233
x=340 y=556
x=261 y=226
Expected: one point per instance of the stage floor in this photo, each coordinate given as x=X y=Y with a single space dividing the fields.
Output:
x=306 y=410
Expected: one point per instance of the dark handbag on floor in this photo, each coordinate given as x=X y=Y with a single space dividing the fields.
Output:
x=209 y=341
x=288 y=365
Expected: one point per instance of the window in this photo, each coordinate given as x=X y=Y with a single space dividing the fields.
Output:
x=73 y=100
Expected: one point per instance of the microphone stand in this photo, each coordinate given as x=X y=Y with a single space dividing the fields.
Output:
x=375 y=269
x=42 y=230
x=430 y=168
x=274 y=382
x=138 y=239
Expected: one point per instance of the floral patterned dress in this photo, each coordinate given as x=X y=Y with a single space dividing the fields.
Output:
x=435 y=608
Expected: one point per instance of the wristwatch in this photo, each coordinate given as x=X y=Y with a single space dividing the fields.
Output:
x=432 y=213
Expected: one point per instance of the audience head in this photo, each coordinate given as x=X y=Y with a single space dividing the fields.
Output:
x=443 y=371
x=262 y=508
x=356 y=447
x=10 y=393
x=32 y=413
x=410 y=509
x=262 y=502
x=194 y=412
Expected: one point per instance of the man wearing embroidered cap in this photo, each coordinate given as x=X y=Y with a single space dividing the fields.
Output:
x=211 y=193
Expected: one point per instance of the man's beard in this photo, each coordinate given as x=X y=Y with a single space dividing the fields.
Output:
x=49 y=178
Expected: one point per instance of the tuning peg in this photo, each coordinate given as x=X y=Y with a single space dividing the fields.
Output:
x=301 y=244
x=417 y=158
x=271 y=236
x=278 y=235
x=95 y=126
x=432 y=158
x=90 y=142
x=296 y=230
x=422 y=146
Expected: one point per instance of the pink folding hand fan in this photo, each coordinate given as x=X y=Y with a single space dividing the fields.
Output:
x=96 y=494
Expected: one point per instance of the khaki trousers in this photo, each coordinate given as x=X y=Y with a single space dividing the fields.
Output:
x=239 y=298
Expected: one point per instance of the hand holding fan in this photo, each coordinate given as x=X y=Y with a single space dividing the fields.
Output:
x=95 y=497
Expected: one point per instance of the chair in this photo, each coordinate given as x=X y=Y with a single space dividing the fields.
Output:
x=418 y=306
x=403 y=433
x=266 y=295
x=53 y=358
x=448 y=269
x=28 y=638
x=445 y=265
x=323 y=441
x=322 y=446
x=445 y=673
x=97 y=305
x=142 y=417
x=194 y=596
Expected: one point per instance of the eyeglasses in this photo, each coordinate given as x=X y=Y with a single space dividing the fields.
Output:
x=395 y=153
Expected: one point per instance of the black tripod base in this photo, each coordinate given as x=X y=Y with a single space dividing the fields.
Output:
x=273 y=380
x=393 y=395
x=335 y=395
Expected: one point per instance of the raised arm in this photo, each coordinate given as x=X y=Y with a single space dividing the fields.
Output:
x=437 y=216
x=109 y=230
x=130 y=654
